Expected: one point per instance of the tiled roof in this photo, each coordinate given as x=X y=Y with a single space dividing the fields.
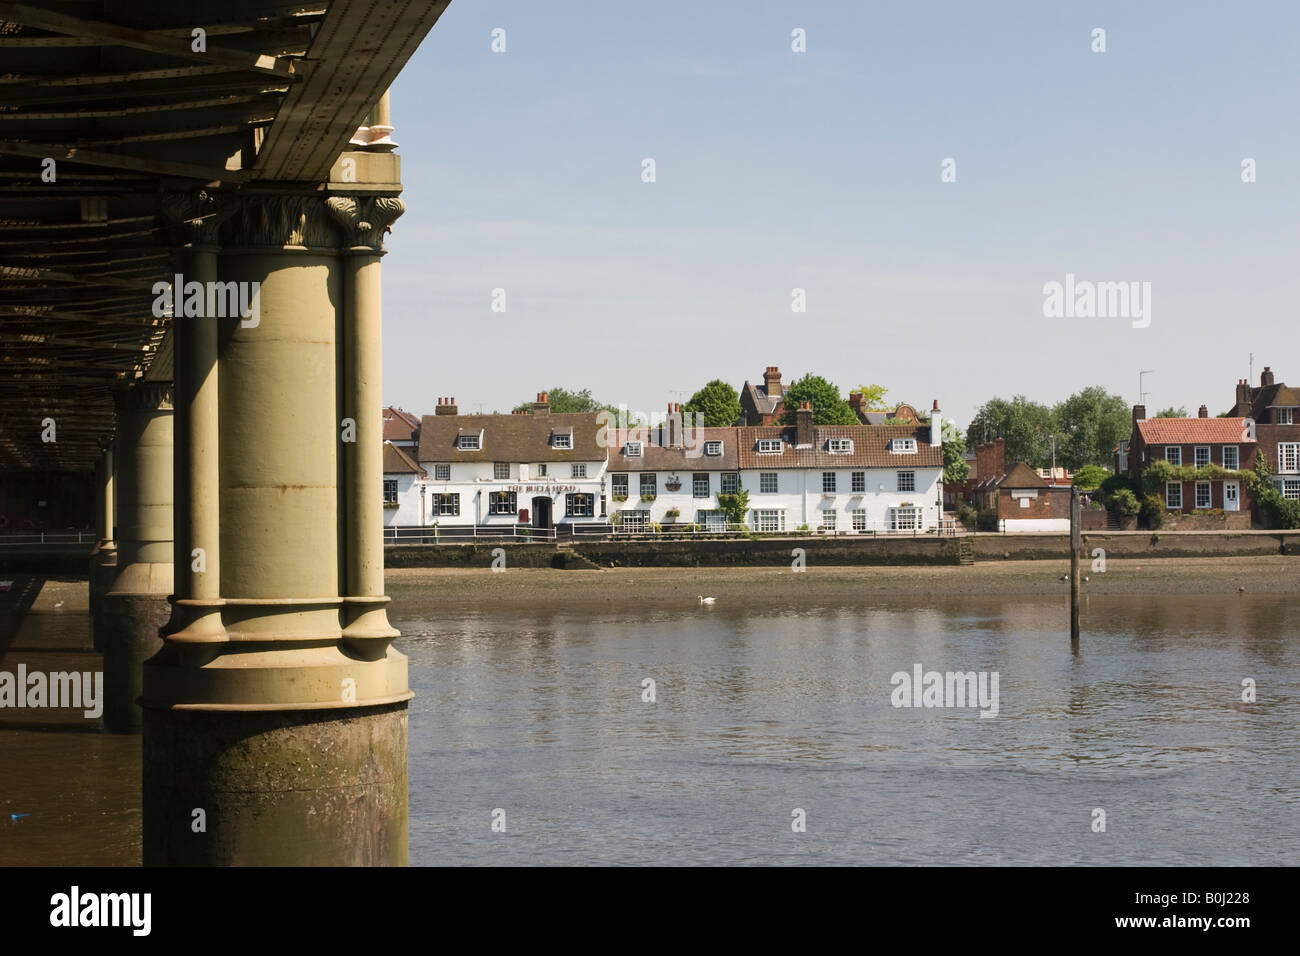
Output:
x=1193 y=431
x=524 y=438
x=870 y=447
x=1022 y=476
x=398 y=462
x=765 y=403
x=399 y=425
x=903 y=411
x=655 y=457
x=1276 y=395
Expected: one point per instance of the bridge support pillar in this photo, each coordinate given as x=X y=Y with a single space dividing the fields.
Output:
x=103 y=562
x=133 y=609
x=277 y=704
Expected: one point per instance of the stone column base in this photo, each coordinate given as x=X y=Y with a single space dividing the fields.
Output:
x=277 y=788
x=129 y=624
x=103 y=569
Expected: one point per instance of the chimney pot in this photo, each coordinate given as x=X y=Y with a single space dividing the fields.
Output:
x=1203 y=412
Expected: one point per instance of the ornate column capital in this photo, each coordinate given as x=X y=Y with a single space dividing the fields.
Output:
x=145 y=397
x=196 y=216
x=280 y=221
x=365 y=220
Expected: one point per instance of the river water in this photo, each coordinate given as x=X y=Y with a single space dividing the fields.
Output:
x=535 y=717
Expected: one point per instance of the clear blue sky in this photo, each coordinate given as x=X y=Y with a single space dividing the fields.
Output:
x=821 y=170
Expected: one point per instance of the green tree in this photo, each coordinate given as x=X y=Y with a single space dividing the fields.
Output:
x=873 y=397
x=1172 y=412
x=827 y=405
x=563 y=401
x=1025 y=426
x=735 y=505
x=1090 y=476
x=1090 y=424
x=955 y=468
x=717 y=404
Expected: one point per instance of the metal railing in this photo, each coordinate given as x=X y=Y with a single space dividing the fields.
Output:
x=452 y=534
x=29 y=538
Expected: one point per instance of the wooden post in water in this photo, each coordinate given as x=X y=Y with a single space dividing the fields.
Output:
x=1075 y=544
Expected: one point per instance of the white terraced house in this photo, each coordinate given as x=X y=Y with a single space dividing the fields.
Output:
x=843 y=478
x=573 y=472
x=498 y=471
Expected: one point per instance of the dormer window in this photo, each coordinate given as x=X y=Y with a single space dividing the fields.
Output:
x=632 y=449
x=840 y=446
x=469 y=442
x=713 y=448
x=1284 y=416
x=562 y=440
x=769 y=446
x=902 y=446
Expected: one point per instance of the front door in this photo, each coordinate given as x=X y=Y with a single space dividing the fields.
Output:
x=1230 y=502
x=541 y=512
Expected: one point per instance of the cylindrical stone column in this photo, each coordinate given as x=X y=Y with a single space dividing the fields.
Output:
x=196 y=606
x=103 y=563
x=364 y=221
x=135 y=606
x=291 y=742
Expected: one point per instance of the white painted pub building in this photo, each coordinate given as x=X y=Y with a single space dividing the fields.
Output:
x=545 y=470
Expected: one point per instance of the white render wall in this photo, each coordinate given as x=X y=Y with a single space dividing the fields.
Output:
x=474 y=483
x=408 y=511
x=1024 y=525
x=799 y=493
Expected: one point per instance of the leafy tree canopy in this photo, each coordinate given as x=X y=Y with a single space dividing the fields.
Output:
x=1025 y=426
x=563 y=401
x=717 y=403
x=1172 y=412
x=955 y=468
x=828 y=407
x=873 y=397
x=1089 y=424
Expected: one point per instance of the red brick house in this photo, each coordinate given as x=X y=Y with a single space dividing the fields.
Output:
x=1275 y=410
x=1195 y=442
x=762 y=404
x=1023 y=499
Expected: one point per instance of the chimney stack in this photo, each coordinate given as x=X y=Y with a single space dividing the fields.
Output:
x=936 y=425
x=772 y=381
x=1266 y=377
x=446 y=406
x=803 y=425
x=1139 y=413
x=673 y=426
x=541 y=406
x=1242 y=409
x=855 y=401
x=1202 y=412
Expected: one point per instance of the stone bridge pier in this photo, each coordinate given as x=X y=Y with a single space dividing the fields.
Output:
x=275 y=723
x=134 y=607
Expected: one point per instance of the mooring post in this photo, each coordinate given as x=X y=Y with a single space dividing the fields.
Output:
x=1075 y=544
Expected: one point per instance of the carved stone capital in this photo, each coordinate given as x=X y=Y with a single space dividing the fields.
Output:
x=280 y=221
x=365 y=219
x=196 y=216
